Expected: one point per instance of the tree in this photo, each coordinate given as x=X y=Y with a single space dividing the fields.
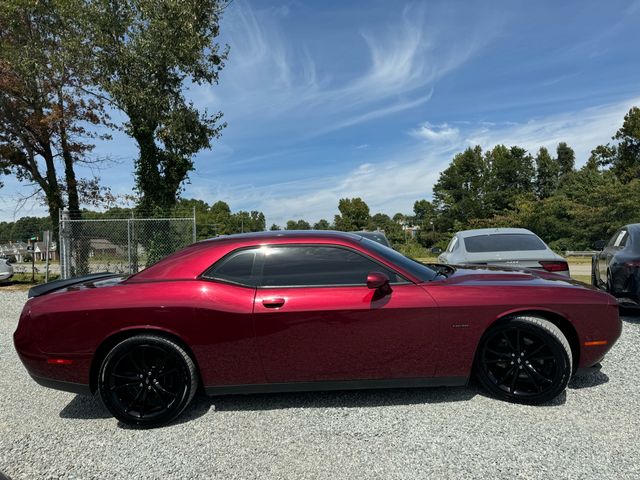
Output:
x=253 y=221
x=274 y=228
x=220 y=218
x=146 y=53
x=510 y=175
x=547 y=173
x=424 y=211
x=459 y=193
x=44 y=114
x=322 y=224
x=566 y=159
x=392 y=229
x=354 y=215
x=399 y=217
x=298 y=225
x=624 y=158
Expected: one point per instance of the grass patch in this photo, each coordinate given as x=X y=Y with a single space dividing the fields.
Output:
x=24 y=279
x=579 y=260
x=582 y=278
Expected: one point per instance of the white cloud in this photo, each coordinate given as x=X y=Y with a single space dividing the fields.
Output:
x=391 y=182
x=582 y=130
x=275 y=83
x=436 y=133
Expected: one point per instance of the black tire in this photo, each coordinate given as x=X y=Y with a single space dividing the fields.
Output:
x=147 y=380
x=524 y=359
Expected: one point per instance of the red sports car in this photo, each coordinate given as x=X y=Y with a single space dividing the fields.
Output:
x=296 y=311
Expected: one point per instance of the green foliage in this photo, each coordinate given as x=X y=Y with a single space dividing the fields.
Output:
x=413 y=249
x=510 y=176
x=566 y=159
x=322 y=224
x=146 y=53
x=218 y=219
x=392 y=229
x=23 y=229
x=298 y=225
x=354 y=215
x=274 y=228
x=547 y=174
x=46 y=116
x=624 y=158
x=459 y=192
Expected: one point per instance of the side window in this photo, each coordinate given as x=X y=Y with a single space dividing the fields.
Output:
x=452 y=244
x=614 y=240
x=237 y=268
x=621 y=241
x=318 y=266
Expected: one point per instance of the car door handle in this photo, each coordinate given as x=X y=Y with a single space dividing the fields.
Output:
x=273 y=302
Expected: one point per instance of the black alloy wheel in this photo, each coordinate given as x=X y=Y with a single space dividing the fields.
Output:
x=147 y=380
x=525 y=360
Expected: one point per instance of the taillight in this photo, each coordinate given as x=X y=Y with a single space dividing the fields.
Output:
x=555 y=266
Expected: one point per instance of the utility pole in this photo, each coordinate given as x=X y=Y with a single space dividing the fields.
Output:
x=31 y=247
x=47 y=248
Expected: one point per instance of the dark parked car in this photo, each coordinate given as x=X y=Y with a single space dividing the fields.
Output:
x=376 y=237
x=278 y=311
x=616 y=268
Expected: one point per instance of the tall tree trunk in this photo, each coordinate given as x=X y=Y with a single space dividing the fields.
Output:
x=148 y=175
x=69 y=173
x=51 y=190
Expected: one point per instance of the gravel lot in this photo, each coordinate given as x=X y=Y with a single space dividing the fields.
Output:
x=592 y=432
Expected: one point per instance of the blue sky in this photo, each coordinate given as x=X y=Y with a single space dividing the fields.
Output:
x=335 y=99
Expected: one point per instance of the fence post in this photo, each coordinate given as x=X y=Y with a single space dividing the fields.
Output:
x=47 y=248
x=194 y=224
x=129 y=245
x=65 y=247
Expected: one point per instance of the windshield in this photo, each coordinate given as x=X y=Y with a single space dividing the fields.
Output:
x=415 y=268
x=503 y=242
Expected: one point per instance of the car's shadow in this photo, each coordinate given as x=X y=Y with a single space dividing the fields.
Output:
x=342 y=399
x=630 y=314
x=86 y=407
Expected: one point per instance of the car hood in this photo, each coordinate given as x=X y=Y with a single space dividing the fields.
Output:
x=490 y=275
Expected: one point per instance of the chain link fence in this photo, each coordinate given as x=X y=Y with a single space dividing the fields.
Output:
x=125 y=245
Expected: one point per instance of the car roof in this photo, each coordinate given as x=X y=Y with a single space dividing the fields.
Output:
x=633 y=227
x=493 y=231
x=279 y=234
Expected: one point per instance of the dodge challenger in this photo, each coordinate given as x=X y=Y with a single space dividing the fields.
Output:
x=301 y=311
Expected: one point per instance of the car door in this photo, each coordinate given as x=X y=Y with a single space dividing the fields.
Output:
x=316 y=320
x=616 y=243
x=223 y=315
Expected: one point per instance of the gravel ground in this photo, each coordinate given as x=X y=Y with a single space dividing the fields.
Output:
x=592 y=432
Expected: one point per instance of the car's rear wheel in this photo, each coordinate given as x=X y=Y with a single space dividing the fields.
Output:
x=147 y=380
x=524 y=359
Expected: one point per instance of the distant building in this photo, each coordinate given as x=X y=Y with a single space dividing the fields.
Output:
x=102 y=247
x=411 y=230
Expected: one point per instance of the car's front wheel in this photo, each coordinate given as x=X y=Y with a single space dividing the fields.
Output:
x=147 y=380
x=524 y=359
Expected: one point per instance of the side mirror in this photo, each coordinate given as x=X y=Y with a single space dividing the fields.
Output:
x=436 y=250
x=377 y=280
x=599 y=245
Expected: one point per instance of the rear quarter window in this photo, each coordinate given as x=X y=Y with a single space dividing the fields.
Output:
x=238 y=267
